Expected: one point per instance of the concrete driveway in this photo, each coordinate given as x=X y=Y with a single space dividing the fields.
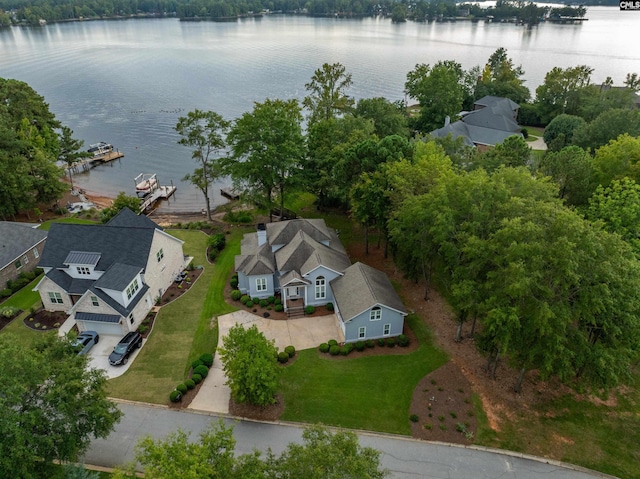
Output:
x=303 y=333
x=99 y=356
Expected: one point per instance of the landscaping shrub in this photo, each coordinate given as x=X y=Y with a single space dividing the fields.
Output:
x=244 y=298
x=381 y=342
x=195 y=364
x=369 y=343
x=202 y=370
x=8 y=311
x=190 y=383
x=334 y=350
x=5 y=293
x=329 y=306
x=332 y=342
x=324 y=348
x=283 y=357
x=290 y=350
x=360 y=346
x=234 y=282
x=263 y=303
x=346 y=349
x=277 y=301
x=182 y=387
x=249 y=303
x=403 y=340
x=217 y=241
x=207 y=359
x=414 y=418
x=175 y=396
x=196 y=378
x=213 y=254
x=391 y=342
x=242 y=216
x=309 y=309
x=236 y=294
x=271 y=299
x=255 y=300
x=278 y=308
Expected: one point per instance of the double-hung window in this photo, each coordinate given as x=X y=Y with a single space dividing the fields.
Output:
x=94 y=301
x=376 y=314
x=321 y=288
x=55 y=298
x=160 y=255
x=261 y=284
x=362 y=332
x=133 y=287
x=386 y=330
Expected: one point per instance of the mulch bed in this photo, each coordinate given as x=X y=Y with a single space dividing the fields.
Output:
x=176 y=290
x=262 y=413
x=43 y=320
x=5 y=321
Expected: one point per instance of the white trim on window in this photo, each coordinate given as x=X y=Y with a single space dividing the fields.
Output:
x=160 y=255
x=18 y=264
x=36 y=255
x=386 y=329
x=25 y=259
x=321 y=288
x=94 y=301
x=362 y=332
x=83 y=270
x=261 y=284
x=55 y=298
x=132 y=288
x=375 y=314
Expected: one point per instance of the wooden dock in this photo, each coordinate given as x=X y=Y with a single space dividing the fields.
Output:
x=159 y=193
x=89 y=163
x=230 y=192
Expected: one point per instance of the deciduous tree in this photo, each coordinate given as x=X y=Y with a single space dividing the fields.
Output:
x=572 y=169
x=327 y=98
x=51 y=406
x=69 y=152
x=204 y=132
x=122 y=201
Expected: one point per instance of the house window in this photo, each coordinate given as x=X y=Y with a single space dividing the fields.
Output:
x=386 y=330
x=18 y=264
x=94 y=301
x=376 y=314
x=55 y=298
x=36 y=255
x=25 y=259
x=83 y=270
x=160 y=255
x=131 y=318
x=321 y=288
x=133 y=287
x=261 y=284
x=362 y=332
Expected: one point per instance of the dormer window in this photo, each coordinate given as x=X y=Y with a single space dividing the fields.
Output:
x=132 y=288
x=83 y=270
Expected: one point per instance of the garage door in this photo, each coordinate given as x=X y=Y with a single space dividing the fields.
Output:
x=100 y=323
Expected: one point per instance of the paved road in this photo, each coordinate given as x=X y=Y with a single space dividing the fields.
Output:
x=404 y=458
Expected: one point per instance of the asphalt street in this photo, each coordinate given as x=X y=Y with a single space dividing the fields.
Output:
x=405 y=458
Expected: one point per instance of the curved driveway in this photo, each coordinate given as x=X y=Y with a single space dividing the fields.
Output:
x=405 y=458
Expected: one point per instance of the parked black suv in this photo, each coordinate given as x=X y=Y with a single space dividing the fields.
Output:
x=124 y=348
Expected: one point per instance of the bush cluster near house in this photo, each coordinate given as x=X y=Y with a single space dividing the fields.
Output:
x=20 y=282
x=334 y=349
x=251 y=303
x=216 y=243
x=199 y=371
x=288 y=353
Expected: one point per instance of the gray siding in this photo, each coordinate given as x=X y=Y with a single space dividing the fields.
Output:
x=252 y=286
x=311 y=289
x=374 y=329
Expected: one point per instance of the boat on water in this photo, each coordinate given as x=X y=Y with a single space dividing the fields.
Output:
x=100 y=148
x=145 y=184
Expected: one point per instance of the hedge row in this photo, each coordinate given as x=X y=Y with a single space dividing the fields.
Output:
x=200 y=369
x=333 y=348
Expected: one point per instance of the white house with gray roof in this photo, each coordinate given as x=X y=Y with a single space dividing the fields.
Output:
x=305 y=262
x=21 y=245
x=108 y=277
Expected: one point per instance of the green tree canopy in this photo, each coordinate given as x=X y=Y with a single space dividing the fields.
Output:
x=561 y=91
x=122 y=201
x=606 y=127
x=327 y=98
x=618 y=159
x=51 y=406
x=204 y=132
x=559 y=131
x=572 y=169
x=501 y=77
x=388 y=118
x=267 y=150
x=249 y=362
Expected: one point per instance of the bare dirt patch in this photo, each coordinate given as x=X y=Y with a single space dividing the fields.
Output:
x=263 y=413
x=176 y=290
x=43 y=320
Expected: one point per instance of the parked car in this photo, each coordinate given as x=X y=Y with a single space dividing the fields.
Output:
x=85 y=341
x=124 y=348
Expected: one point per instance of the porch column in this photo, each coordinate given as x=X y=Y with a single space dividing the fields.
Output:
x=283 y=293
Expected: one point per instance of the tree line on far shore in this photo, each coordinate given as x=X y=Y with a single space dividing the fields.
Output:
x=26 y=12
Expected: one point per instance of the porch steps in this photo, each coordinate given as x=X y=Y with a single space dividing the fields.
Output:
x=295 y=312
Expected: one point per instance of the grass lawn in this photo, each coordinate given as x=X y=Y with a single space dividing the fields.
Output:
x=24 y=299
x=372 y=393
x=182 y=330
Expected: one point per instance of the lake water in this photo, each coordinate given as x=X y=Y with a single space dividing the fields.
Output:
x=127 y=82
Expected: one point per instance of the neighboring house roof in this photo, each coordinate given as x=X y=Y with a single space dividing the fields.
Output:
x=304 y=254
x=16 y=239
x=362 y=287
x=128 y=219
x=489 y=125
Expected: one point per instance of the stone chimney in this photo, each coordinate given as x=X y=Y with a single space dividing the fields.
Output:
x=262 y=234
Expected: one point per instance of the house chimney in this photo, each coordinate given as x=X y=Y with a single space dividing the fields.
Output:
x=447 y=120
x=262 y=234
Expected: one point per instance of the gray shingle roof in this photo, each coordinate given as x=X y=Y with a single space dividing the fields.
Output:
x=283 y=232
x=490 y=100
x=261 y=262
x=16 y=239
x=303 y=254
x=362 y=287
x=128 y=219
x=118 y=277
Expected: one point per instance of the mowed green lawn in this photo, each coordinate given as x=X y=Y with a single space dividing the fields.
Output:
x=183 y=329
x=372 y=393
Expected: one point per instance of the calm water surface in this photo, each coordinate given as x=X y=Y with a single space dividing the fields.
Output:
x=128 y=82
